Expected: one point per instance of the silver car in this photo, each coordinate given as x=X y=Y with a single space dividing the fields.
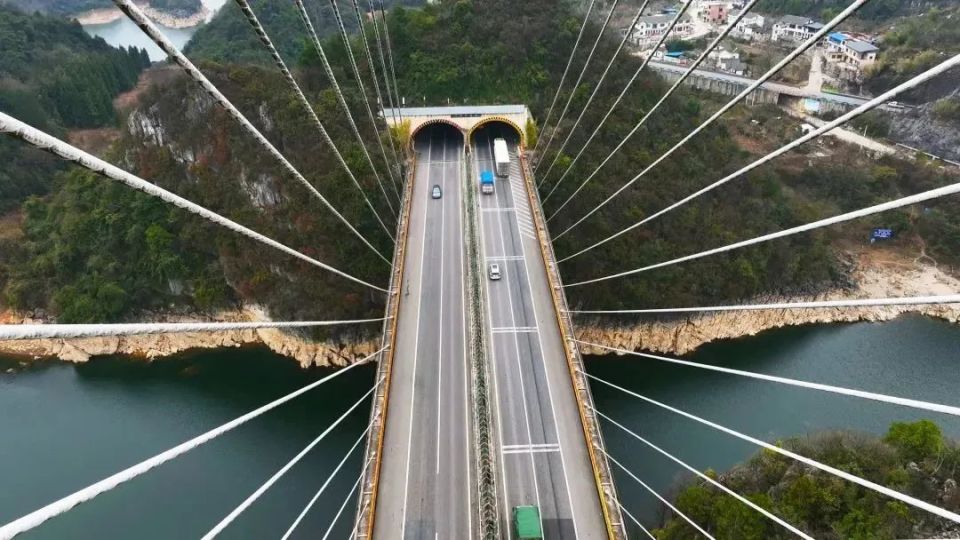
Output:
x=494 y=272
x=436 y=193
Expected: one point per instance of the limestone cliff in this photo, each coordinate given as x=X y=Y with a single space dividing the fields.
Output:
x=877 y=274
x=305 y=351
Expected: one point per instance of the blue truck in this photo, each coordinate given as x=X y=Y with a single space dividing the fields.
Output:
x=486 y=182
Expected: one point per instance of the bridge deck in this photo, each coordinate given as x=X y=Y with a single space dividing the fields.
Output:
x=427 y=485
x=544 y=458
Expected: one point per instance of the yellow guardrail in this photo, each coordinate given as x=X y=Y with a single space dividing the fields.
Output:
x=368 y=497
x=591 y=430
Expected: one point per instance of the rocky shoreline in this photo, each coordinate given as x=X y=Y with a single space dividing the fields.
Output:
x=306 y=352
x=877 y=274
x=109 y=15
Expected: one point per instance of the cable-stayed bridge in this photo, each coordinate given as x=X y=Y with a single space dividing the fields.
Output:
x=481 y=403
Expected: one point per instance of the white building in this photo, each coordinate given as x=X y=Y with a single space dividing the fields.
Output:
x=795 y=29
x=750 y=26
x=649 y=28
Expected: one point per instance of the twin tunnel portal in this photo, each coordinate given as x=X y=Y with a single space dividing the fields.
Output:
x=427 y=481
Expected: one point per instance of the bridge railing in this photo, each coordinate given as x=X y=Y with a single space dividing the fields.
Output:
x=367 y=503
x=609 y=502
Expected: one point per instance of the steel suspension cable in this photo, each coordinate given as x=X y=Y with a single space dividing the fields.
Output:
x=593 y=94
x=753 y=86
x=566 y=70
x=292 y=82
x=326 y=483
x=866 y=107
x=883 y=490
x=898 y=203
x=37 y=517
x=356 y=73
x=709 y=480
x=622 y=94
x=10 y=332
x=346 y=500
x=328 y=69
x=226 y=521
x=383 y=66
x=149 y=28
x=636 y=521
x=850 y=392
x=41 y=140
x=393 y=69
x=867 y=302
x=376 y=83
x=676 y=84
x=657 y=495
x=573 y=89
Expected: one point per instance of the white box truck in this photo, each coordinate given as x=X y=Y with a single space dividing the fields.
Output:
x=501 y=158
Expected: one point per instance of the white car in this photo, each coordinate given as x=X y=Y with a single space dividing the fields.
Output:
x=494 y=272
x=436 y=193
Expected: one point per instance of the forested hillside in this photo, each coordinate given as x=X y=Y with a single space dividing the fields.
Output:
x=913 y=458
x=56 y=77
x=874 y=10
x=518 y=55
x=227 y=39
x=180 y=8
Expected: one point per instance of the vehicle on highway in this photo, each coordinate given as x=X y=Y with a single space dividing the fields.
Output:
x=501 y=158
x=494 y=272
x=526 y=521
x=486 y=182
x=436 y=193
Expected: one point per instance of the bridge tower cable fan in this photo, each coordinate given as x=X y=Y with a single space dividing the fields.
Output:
x=740 y=97
x=393 y=69
x=302 y=98
x=826 y=128
x=394 y=105
x=338 y=90
x=376 y=83
x=145 y=24
x=623 y=93
x=703 y=56
x=566 y=70
x=576 y=84
x=360 y=85
x=43 y=141
x=38 y=517
x=593 y=94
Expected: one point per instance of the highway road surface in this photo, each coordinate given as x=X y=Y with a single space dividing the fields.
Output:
x=543 y=453
x=427 y=485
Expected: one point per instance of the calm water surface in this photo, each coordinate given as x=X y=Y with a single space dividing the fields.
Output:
x=64 y=426
x=123 y=32
x=911 y=357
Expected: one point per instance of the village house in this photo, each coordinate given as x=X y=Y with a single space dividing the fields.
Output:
x=713 y=11
x=847 y=56
x=649 y=28
x=750 y=27
x=795 y=29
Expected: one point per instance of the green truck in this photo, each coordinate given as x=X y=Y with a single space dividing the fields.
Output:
x=526 y=521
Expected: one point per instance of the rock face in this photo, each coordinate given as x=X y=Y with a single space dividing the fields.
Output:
x=921 y=129
x=306 y=352
x=874 y=277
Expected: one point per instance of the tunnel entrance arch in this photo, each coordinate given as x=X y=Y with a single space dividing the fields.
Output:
x=501 y=122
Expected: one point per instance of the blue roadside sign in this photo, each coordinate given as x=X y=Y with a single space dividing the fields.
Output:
x=881 y=234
